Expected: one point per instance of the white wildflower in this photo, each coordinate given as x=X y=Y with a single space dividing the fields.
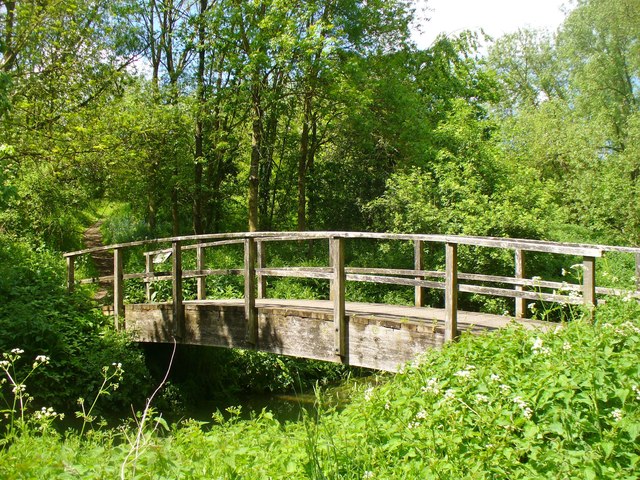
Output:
x=630 y=326
x=17 y=351
x=482 y=398
x=566 y=346
x=368 y=394
x=387 y=406
x=564 y=272
x=17 y=389
x=495 y=377
x=636 y=390
x=4 y=363
x=422 y=414
x=432 y=386
x=450 y=394
x=538 y=348
x=412 y=425
x=504 y=388
x=367 y=474
x=617 y=414
x=532 y=307
x=577 y=266
x=526 y=410
x=463 y=373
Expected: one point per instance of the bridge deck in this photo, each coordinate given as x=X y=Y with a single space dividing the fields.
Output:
x=466 y=320
x=379 y=336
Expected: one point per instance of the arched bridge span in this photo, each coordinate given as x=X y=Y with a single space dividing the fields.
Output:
x=370 y=335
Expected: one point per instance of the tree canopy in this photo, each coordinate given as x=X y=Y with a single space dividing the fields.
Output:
x=217 y=115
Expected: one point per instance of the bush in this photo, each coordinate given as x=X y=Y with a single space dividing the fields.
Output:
x=38 y=316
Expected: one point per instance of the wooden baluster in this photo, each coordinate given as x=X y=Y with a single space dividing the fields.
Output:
x=418 y=264
x=451 y=293
x=336 y=247
x=71 y=273
x=521 y=304
x=176 y=292
x=589 y=283
x=262 y=281
x=118 y=288
x=148 y=270
x=250 y=311
x=201 y=282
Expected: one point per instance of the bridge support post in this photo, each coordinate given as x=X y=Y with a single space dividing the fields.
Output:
x=451 y=293
x=589 y=283
x=201 y=283
x=148 y=270
x=71 y=274
x=262 y=281
x=336 y=248
x=521 y=309
x=250 y=311
x=176 y=292
x=418 y=264
x=118 y=288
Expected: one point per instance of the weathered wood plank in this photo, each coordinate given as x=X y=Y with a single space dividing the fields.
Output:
x=118 y=288
x=261 y=259
x=71 y=273
x=341 y=341
x=395 y=281
x=148 y=270
x=305 y=272
x=589 y=282
x=451 y=292
x=520 y=307
x=201 y=280
x=250 y=312
x=176 y=292
x=418 y=264
x=504 y=292
x=492 y=242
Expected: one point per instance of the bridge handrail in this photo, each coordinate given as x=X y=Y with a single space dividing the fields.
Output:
x=580 y=249
x=254 y=271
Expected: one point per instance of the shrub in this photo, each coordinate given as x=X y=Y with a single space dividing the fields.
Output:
x=38 y=316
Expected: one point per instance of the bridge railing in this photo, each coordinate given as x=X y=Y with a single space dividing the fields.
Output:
x=451 y=280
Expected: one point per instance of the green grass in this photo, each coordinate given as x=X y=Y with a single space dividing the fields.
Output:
x=512 y=404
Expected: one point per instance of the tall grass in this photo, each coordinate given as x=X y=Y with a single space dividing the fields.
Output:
x=563 y=403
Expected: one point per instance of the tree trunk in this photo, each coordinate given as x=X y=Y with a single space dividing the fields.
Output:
x=303 y=161
x=256 y=150
x=199 y=148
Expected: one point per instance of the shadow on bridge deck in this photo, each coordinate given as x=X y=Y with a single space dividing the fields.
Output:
x=380 y=336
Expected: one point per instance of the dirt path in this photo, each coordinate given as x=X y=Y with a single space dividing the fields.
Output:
x=103 y=261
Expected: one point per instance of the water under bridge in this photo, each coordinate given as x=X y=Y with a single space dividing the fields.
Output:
x=379 y=336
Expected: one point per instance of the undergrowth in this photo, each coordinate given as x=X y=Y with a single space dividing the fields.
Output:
x=517 y=403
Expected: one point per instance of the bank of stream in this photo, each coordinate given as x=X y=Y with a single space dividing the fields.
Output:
x=285 y=407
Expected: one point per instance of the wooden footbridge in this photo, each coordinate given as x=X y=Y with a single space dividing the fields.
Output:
x=370 y=335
